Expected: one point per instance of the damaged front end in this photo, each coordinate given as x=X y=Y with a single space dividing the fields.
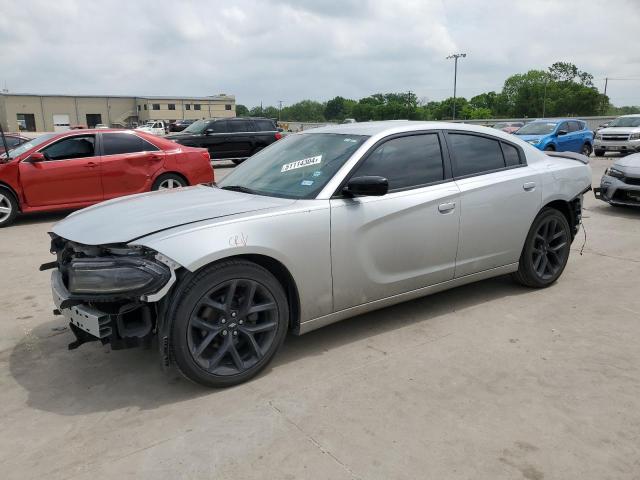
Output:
x=111 y=293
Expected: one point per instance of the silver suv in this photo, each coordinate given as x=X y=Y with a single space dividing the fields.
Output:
x=622 y=135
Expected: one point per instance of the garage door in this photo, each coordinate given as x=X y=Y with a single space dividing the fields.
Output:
x=60 y=122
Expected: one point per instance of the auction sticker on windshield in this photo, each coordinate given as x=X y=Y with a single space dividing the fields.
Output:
x=305 y=162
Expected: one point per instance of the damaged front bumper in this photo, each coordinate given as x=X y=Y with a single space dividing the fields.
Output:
x=109 y=294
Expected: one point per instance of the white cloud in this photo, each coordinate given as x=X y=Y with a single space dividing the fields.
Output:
x=290 y=50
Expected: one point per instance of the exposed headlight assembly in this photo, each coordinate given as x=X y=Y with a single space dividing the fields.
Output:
x=614 y=172
x=598 y=136
x=634 y=136
x=533 y=142
x=132 y=276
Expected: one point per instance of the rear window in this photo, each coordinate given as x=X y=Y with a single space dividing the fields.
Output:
x=119 y=143
x=511 y=155
x=474 y=154
x=265 y=125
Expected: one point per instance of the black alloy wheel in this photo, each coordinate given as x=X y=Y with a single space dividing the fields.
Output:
x=546 y=250
x=232 y=320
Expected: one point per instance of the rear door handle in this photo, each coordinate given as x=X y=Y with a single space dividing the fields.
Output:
x=91 y=165
x=529 y=186
x=446 y=207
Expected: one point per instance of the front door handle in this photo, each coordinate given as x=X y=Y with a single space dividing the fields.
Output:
x=446 y=207
x=91 y=165
x=529 y=186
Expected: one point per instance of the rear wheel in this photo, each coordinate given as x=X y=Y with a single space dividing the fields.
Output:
x=546 y=250
x=168 y=181
x=231 y=320
x=599 y=153
x=238 y=161
x=586 y=149
x=8 y=208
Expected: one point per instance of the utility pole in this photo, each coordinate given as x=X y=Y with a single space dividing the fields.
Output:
x=279 y=109
x=604 y=105
x=455 y=57
x=544 y=100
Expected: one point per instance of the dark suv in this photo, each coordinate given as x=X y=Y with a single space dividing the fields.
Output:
x=229 y=138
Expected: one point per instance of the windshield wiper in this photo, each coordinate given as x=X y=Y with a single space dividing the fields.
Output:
x=238 y=188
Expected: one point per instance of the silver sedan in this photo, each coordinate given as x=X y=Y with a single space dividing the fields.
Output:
x=318 y=227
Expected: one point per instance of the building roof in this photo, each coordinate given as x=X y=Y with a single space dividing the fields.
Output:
x=211 y=97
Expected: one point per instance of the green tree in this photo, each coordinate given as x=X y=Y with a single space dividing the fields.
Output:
x=242 y=111
x=304 y=111
x=339 y=108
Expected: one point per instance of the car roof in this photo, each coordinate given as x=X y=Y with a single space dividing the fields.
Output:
x=398 y=126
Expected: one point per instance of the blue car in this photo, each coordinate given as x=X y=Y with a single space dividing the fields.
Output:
x=559 y=134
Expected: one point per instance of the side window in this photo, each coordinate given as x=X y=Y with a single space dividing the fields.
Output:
x=72 y=147
x=218 y=127
x=473 y=154
x=511 y=155
x=564 y=126
x=264 y=125
x=117 y=143
x=405 y=161
x=575 y=126
x=241 y=126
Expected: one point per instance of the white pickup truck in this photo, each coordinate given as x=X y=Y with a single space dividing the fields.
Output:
x=155 y=127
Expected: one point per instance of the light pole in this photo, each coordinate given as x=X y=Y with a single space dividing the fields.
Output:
x=279 y=109
x=455 y=57
x=544 y=99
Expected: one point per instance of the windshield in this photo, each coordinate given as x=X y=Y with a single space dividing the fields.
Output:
x=625 y=122
x=196 y=127
x=537 y=128
x=298 y=166
x=28 y=145
x=500 y=125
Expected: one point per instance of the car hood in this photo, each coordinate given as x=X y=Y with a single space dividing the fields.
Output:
x=127 y=218
x=619 y=130
x=630 y=164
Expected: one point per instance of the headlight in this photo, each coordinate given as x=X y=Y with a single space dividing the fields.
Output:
x=533 y=142
x=116 y=275
x=614 y=172
x=598 y=136
x=634 y=136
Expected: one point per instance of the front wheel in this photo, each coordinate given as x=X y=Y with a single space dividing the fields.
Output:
x=231 y=320
x=586 y=150
x=546 y=250
x=599 y=153
x=8 y=208
x=549 y=148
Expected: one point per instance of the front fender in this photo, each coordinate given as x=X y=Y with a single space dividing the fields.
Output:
x=298 y=238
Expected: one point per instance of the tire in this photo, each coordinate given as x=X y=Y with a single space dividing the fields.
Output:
x=231 y=319
x=546 y=250
x=168 y=181
x=586 y=150
x=599 y=153
x=8 y=207
x=549 y=148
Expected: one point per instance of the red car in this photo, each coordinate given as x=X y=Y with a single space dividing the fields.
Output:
x=13 y=140
x=75 y=169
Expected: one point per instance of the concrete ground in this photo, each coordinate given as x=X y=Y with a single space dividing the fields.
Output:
x=487 y=381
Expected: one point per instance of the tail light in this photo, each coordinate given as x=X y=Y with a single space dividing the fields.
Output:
x=278 y=135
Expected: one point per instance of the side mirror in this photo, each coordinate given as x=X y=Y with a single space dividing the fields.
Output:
x=562 y=132
x=209 y=131
x=36 y=157
x=371 y=186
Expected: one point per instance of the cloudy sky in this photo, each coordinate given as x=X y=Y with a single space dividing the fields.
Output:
x=290 y=50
